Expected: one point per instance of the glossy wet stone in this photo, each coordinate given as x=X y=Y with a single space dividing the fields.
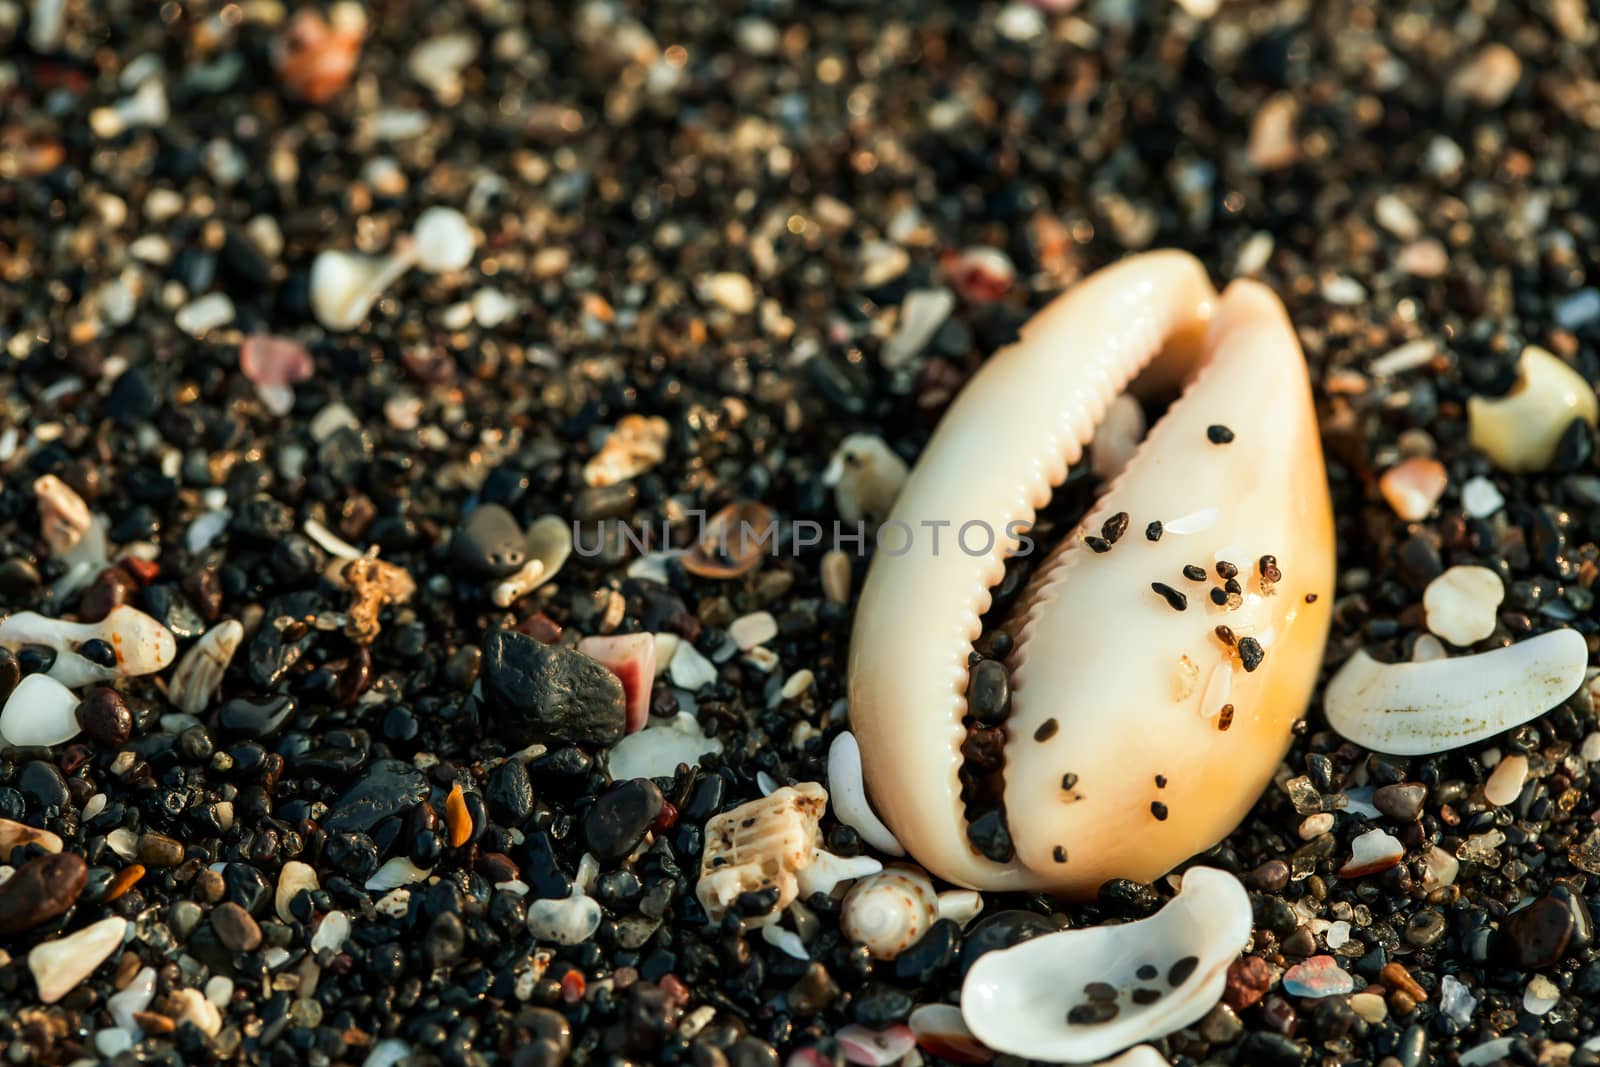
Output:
x=247 y=716
x=490 y=542
x=1001 y=930
x=235 y=927
x=41 y=889
x=989 y=692
x=1539 y=935
x=537 y=692
x=618 y=819
x=105 y=717
x=389 y=787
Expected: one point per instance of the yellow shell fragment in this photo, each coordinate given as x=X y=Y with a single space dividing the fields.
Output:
x=761 y=845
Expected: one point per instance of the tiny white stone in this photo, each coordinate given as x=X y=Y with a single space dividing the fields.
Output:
x=1591 y=747
x=1461 y=604
x=40 y=711
x=1338 y=934
x=754 y=629
x=1541 y=995
x=730 y=291
x=1480 y=498
x=923 y=312
x=113 y=1041
x=1441 y=865
x=1505 y=784
x=564 y=922
x=219 y=990
x=444 y=240
x=491 y=307
x=344 y=286
x=387 y=1053
x=133 y=997
x=59 y=965
x=785 y=941
x=124 y=842
x=331 y=932
x=205 y=314
x=438 y=62
x=690 y=670
x=1456 y=1001
x=395 y=904
x=1315 y=825
x=206 y=528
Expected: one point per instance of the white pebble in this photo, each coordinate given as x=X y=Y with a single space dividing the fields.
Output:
x=387 y=1053
x=786 y=941
x=131 y=998
x=1461 y=603
x=689 y=669
x=59 y=965
x=438 y=62
x=331 y=932
x=923 y=312
x=1541 y=995
x=1315 y=825
x=1519 y=431
x=40 y=711
x=1480 y=498
x=1338 y=935
x=207 y=313
x=444 y=240
x=219 y=990
x=754 y=629
x=730 y=291
x=656 y=751
x=1505 y=784
x=1591 y=747
x=1373 y=851
x=294 y=877
x=344 y=286
x=565 y=922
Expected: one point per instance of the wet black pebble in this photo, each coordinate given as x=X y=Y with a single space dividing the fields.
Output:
x=815 y=990
x=1402 y=800
x=510 y=793
x=535 y=692
x=44 y=787
x=388 y=788
x=10 y=674
x=880 y=1007
x=991 y=837
x=1127 y=899
x=490 y=542
x=1001 y=930
x=989 y=692
x=617 y=821
x=257 y=717
x=923 y=961
x=1262 y=1049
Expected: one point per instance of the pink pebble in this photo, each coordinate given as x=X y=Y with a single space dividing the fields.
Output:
x=632 y=658
x=875 y=1048
x=268 y=360
x=1319 y=976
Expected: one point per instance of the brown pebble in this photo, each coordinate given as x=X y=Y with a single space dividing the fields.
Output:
x=235 y=927
x=105 y=717
x=497 y=867
x=1395 y=976
x=210 y=886
x=14 y=834
x=1249 y=978
x=153 y=1024
x=40 y=890
x=159 y=850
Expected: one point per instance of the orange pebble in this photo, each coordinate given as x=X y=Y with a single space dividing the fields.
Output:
x=457 y=816
x=315 y=58
x=124 y=880
x=1396 y=976
x=1412 y=487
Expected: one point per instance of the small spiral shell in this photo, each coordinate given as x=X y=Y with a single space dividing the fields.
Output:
x=889 y=911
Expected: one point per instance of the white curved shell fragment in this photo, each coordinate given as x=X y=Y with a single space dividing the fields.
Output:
x=866 y=476
x=1418 y=709
x=200 y=671
x=396 y=872
x=656 y=751
x=345 y=285
x=140 y=643
x=39 y=711
x=849 y=794
x=1018 y=1000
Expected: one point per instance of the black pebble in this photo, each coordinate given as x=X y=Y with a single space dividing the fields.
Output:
x=535 y=691
x=390 y=787
x=991 y=837
x=617 y=821
x=989 y=692
x=490 y=543
x=922 y=962
x=1218 y=435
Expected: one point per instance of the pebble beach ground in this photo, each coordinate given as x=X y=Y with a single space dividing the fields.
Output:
x=280 y=287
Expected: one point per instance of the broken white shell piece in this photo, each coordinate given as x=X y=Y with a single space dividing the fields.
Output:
x=63 y=516
x=395 y=873
x=141 y=644
x=518 y=585
x=771 y=843
x=1372 y=852
x=1418 y=709
x=59 y=965
x=849 y=793
x=1018 y=1000
x=570 y=921
x=656 y=751
x=1520 y=431
x=635 y=444
x=200 y=671
x=866 y=476
x=889 y=911
x=345 y=285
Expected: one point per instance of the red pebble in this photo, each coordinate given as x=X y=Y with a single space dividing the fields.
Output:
x=573 y=986
x=541 y=627
x=144 y=570
x=667 y=819
x=1249 y=978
